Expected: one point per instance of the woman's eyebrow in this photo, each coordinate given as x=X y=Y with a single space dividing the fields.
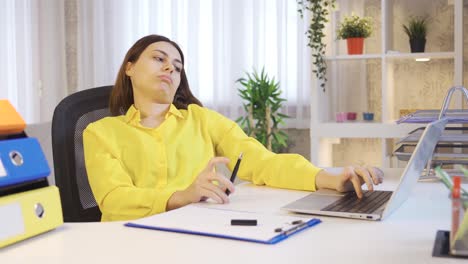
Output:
x=165 y=54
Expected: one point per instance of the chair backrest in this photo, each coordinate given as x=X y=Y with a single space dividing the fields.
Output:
x=71 y=116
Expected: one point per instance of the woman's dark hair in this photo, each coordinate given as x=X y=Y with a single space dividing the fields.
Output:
x=121 y=97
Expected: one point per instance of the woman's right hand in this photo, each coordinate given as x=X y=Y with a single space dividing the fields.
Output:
x=204 y=187
x=349 y=179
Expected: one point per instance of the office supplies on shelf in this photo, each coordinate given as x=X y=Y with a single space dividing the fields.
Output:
x=234 y=172
x=197 y=220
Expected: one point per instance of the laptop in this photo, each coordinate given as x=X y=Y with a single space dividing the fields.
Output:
x=374 y=205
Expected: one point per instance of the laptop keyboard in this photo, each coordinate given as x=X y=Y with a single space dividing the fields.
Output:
x=370 y=202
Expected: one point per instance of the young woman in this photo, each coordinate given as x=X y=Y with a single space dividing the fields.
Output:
x=159 y=149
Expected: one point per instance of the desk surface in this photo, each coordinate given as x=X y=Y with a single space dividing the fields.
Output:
x=406 y=236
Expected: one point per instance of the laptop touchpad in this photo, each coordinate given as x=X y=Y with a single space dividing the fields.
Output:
x=316 y=200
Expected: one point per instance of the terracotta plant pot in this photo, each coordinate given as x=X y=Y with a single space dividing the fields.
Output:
x=355 y=45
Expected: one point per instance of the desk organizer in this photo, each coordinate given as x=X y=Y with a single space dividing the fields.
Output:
x=459 y=230
x=453 y=144
x=458 y=116
x=454 y=243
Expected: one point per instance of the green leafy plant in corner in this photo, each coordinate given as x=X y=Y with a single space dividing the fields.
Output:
x=262 y=103
x=319 y=10
x=416 y=28
x=355 y=27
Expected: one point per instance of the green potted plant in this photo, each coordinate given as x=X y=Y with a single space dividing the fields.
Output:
x=262 y=103
x=319 y=10
x=416 y=31
x=355 y=29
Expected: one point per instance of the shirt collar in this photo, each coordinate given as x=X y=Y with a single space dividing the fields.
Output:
x=174 y=111
x=133 y=115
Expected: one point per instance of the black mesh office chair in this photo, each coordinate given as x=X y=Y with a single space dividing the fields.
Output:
x=71 y=116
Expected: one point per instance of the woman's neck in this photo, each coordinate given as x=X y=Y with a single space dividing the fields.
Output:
x=152 y=114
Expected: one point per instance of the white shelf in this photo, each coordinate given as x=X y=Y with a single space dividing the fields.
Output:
x=355 y=57
x=430 y=55
x=364 y=130
x=396 y=55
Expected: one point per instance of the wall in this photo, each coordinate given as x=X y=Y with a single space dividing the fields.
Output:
x=71 y=43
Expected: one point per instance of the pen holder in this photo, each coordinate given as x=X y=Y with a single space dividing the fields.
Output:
x=459 y=230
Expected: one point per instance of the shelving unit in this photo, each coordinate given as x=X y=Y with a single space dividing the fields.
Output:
x=372 y=82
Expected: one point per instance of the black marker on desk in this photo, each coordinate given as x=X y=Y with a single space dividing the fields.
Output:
x=244 y=222
x=234 y=172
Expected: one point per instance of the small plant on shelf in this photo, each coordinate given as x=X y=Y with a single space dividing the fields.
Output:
x=416 y=31
x=355 y=29
x=262 y=103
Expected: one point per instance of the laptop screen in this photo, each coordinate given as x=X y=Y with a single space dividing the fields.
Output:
x=421 y=155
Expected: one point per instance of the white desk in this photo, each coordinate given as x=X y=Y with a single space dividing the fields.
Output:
x=407 y=236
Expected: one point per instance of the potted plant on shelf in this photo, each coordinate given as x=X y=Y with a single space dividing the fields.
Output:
x=416 y=31
x=262 y=104
x=355 y=29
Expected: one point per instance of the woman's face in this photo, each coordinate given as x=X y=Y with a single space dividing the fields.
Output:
x=156 y=73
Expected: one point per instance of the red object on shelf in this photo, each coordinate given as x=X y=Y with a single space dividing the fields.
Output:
x=355 y=45
x=351 y=115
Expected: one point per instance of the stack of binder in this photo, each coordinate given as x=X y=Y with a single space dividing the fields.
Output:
x=28 y=205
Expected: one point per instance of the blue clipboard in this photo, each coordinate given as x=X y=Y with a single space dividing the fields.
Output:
x=202 y=221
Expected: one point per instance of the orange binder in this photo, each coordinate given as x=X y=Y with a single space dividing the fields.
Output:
x=11 y=121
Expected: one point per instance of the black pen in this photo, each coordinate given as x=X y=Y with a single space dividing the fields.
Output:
x=234 y=172
x=301 y=225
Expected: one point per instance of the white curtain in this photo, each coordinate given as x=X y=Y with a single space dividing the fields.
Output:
x=33 y=51
x=221 y=40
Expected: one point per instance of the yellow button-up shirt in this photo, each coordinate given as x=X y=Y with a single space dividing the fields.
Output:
x=133 y=170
